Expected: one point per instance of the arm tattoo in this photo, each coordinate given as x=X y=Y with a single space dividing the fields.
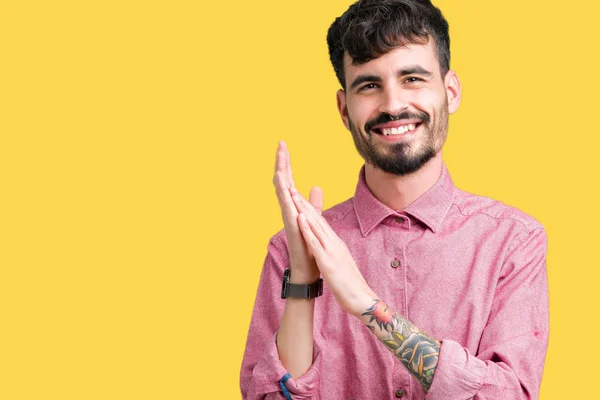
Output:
x=415 y=349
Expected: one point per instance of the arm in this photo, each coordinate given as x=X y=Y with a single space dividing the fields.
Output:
x=416 y=350
x=295 y=336
x=512 y=351
x=291 y=353
x=510 y=360
x=262 y=370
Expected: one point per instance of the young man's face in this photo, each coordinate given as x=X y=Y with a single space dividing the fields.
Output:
x=397 y=107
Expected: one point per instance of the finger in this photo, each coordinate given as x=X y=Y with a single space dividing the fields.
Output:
x=318 y=231
x=302 y=202
x=316 y=199
x=280 y=163
x=283 y=164
x=278 y=157
x=288 y=208
x=312 y=241
x=303 y=206
x=287 y=164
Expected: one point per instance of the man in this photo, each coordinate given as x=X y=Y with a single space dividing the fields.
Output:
x=429 y=292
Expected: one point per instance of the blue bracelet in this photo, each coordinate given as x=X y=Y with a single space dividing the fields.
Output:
x=284 y=388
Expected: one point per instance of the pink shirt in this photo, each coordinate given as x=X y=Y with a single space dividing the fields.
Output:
x=466 y=269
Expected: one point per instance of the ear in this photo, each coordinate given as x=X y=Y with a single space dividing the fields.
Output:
x=342 y=107
x=453 y=91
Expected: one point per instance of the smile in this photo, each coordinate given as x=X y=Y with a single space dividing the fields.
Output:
x=398 y=130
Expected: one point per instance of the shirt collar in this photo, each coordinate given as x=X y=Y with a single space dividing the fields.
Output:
x=430 y=208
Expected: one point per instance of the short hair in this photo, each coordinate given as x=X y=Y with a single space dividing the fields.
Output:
x=372 y=28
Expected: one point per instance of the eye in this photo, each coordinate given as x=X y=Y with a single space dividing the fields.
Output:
x=367 y=86
x=413 y=79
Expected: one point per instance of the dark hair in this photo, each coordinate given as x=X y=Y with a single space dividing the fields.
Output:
x=371 y=28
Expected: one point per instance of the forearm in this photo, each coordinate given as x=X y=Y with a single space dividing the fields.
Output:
x=262 y=370
x=295 y=335
x=416 y=350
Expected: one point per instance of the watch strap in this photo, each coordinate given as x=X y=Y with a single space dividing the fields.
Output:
x=293 y=290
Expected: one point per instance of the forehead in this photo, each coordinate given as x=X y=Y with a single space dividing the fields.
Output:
x=423 y=55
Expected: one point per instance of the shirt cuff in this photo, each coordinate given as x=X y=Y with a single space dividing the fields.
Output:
x=269 y=371
x=459 y=375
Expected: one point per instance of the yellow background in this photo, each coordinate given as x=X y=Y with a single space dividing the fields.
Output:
x=137 y=141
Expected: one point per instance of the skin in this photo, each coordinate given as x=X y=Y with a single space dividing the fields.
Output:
x=433 y=95
x=294 y=338
x=423 y=96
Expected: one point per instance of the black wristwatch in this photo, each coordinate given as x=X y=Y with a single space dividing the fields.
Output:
x=300 y=291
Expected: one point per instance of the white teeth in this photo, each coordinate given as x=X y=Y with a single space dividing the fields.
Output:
x=398 y=131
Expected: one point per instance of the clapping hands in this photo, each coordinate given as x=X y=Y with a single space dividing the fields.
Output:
x=314 y=246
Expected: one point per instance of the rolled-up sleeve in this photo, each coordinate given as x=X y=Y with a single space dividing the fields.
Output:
x=512 y=351
x=262 y=374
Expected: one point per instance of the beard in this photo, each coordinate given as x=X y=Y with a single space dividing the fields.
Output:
x=405 y=157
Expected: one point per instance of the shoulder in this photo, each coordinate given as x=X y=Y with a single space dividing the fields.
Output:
x=471 y=205
x=495 y=214
x=339 y=212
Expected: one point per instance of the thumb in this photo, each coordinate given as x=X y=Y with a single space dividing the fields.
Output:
x=316 y=199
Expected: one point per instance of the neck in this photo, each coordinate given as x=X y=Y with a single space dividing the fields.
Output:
x=397 y=192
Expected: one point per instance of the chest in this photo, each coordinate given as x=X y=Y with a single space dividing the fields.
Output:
x=444 y=283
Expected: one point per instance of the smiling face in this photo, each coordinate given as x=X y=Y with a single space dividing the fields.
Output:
x=397 y=107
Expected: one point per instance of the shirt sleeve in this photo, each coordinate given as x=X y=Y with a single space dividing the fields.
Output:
x=512 y=351
x=262 y=375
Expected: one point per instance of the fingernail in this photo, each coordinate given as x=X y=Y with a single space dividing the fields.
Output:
x=293 y=190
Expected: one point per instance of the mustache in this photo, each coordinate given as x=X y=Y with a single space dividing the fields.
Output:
x=385 y=117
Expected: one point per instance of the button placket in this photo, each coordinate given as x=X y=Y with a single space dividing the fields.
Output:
x=400 y=259
x=403 y=260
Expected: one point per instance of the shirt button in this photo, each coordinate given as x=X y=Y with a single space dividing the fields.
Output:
x=399 y=393
x=399 y=220
x=395 y=263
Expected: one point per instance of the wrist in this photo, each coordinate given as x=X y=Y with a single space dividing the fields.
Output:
x=362 y=303
x=302 y=277
x=302 y=291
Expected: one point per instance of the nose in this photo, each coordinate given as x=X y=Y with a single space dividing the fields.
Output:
x=393 y=100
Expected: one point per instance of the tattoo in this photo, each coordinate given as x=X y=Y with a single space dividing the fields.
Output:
x=382 y=314
x=418 y=351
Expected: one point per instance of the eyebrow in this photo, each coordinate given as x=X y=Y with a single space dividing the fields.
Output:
x=364 y=78
x=410 y=70
x=414 y=70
